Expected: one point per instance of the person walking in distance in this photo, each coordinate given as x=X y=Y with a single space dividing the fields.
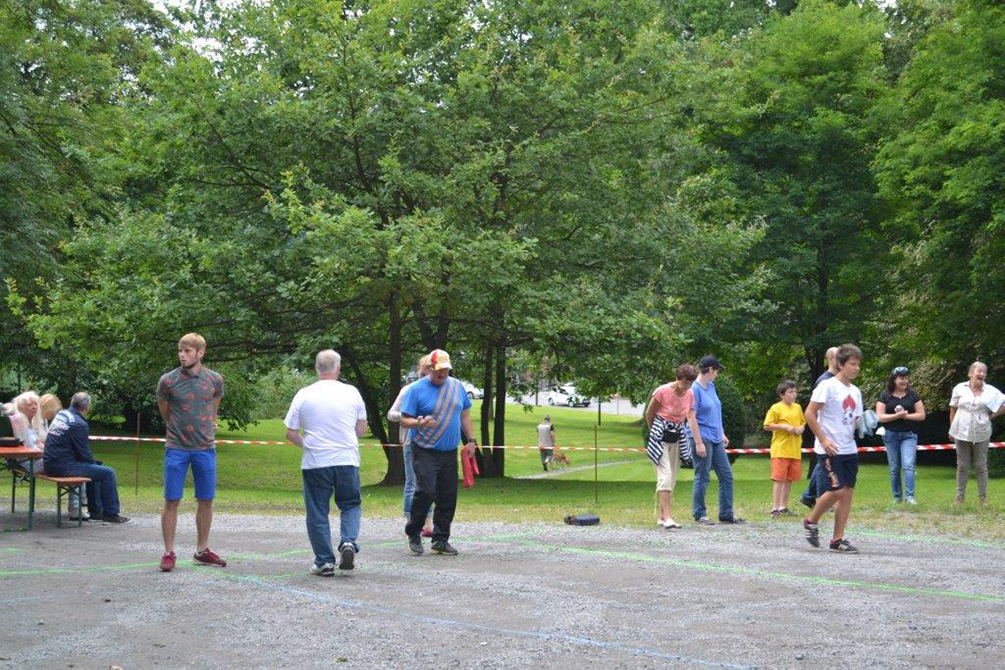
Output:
x=326 y=420
x=435 y=410
x=835 y=407
x=546 y=441
x=188 y=398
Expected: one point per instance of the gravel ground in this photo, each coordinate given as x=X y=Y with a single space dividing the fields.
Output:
x=517 y=596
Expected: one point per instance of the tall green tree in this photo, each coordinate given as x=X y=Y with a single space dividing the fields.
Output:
x=789 y=116
x=940 y=168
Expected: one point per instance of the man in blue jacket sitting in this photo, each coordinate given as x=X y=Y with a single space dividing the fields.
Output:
x=67 y=454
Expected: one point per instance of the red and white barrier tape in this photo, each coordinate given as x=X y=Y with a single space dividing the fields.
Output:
x=921 y=447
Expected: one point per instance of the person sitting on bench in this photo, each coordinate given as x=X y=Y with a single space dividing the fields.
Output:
x=26 y=422
x=67 y=454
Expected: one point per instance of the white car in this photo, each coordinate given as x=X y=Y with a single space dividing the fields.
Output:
x=472 y=390
x=567 y=395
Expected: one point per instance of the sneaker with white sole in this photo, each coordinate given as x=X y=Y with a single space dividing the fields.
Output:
x=912 y=501
x=670 y=523
x=323 y=570
x=346 y=556
x=812 y=531
x=843 y=546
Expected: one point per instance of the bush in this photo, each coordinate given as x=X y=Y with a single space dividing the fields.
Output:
x=276 y=389
x=734 y=413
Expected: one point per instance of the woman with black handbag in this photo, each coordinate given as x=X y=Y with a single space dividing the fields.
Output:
x=670 y=406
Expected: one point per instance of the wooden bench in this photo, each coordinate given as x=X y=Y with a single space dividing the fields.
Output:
x=64 y=487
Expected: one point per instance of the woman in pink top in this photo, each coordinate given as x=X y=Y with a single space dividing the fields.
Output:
x=671 y=405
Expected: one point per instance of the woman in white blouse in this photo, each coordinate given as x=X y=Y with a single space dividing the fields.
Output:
x=973 y=405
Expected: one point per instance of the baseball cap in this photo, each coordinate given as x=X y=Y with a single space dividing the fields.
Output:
x=439 y=360
x=710 y=362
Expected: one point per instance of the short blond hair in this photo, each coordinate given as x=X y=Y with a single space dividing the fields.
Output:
x=49 y=403
x=194 y=340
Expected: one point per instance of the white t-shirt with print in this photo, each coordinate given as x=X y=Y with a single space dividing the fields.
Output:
x=326 y=412
x=842 y=405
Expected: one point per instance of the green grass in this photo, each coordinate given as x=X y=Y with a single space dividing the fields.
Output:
x=266 y=479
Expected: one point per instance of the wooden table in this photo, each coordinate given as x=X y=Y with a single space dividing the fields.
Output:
x=9 y=456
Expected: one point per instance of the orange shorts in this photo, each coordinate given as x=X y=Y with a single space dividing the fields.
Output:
x=786 y=469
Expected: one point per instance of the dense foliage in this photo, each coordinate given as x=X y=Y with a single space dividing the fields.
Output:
x=585 y=191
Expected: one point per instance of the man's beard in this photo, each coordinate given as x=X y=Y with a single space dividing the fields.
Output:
x=190 y=365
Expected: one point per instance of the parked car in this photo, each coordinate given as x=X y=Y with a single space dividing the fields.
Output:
x=472 y=390
x=566 y=395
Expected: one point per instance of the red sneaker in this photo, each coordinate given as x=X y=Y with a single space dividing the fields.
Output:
x=168 y=561
x=207 y=557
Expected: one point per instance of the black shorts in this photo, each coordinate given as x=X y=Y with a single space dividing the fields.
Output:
x=836 y=472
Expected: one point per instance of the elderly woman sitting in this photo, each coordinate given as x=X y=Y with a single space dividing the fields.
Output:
x=26 y=422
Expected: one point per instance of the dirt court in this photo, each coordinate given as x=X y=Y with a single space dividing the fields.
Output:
x=518 y=595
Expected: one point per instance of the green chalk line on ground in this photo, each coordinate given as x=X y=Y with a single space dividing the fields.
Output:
x=237 y=556
x=711 y=567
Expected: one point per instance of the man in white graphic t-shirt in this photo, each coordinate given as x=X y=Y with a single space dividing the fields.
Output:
x=835 y=407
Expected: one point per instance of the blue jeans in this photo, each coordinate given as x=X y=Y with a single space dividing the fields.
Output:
x=409 y=478
x=320 y=484
x=901 y=453
x=810 y=494
x=715 y=459
x=102 y=492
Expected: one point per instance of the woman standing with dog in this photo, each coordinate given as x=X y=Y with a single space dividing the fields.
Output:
x=670 y=406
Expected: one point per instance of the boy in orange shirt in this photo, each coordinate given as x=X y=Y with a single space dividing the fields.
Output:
x=785 y=422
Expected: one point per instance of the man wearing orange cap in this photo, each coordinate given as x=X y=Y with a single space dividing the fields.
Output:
x=435 y=410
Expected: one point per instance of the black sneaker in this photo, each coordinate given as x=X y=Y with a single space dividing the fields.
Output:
x=346 y=557
x=812 y=532
x=733 y=520
x=809 y=502
x=704 y=521
x=444 y=547
x=114 y=518
x=415 y=545
x=843 y=546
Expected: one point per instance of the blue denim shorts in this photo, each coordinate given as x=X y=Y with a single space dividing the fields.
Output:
x=836 y=472
x=176 y=463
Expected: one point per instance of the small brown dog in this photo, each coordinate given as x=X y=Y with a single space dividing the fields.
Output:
x=558 y=456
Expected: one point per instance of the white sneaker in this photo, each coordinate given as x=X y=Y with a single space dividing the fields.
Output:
x=326 y=570
x=670 y=523
x=912 y=501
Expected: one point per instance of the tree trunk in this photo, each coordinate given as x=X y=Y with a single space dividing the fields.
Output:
x=499 y=423
x=486 y=463
x=373 y=414
x=395 y=474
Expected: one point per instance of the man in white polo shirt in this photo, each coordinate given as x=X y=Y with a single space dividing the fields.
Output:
x=326 y=420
